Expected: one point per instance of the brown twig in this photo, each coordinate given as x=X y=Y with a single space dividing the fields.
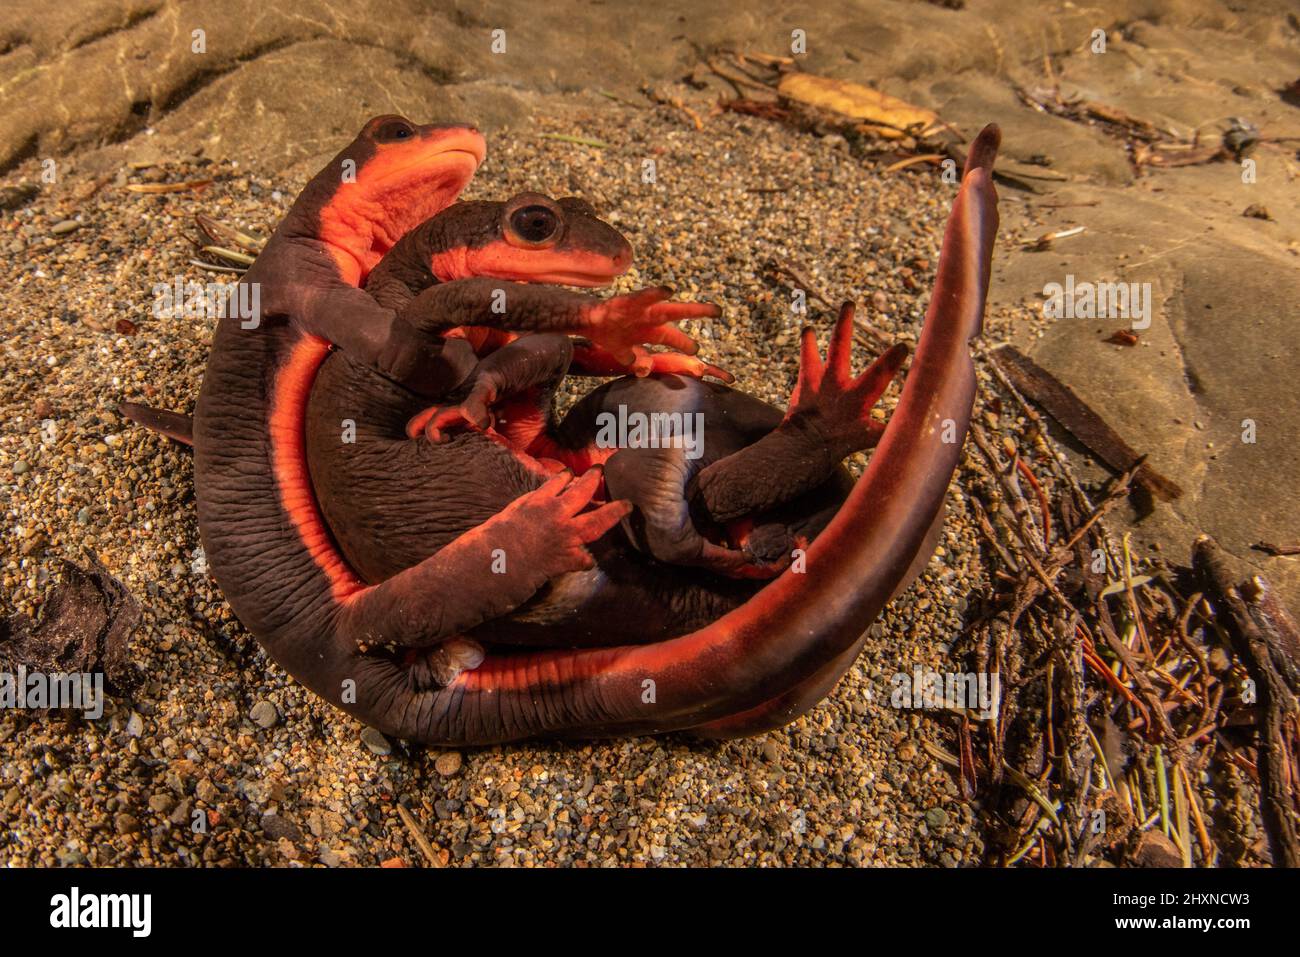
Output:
x=1266 y=639
x=417 y=835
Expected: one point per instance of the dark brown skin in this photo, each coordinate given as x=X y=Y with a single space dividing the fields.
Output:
x=391 y=501
x=279 y=570
x=391 y=177
x=539 y=239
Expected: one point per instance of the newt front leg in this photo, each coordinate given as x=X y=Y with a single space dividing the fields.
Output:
x=616 y=324
x=532 y=366
x=488 y=571
x=539 y=360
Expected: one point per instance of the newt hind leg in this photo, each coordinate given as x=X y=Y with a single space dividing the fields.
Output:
x=828 y=419
x=743 y=510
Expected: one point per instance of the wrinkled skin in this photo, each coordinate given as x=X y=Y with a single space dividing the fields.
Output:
x=391 y=502
x=764 y=661
x=768 y=480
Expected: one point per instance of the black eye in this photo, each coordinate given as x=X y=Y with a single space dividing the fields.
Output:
x=393 y=131
x=534 y=224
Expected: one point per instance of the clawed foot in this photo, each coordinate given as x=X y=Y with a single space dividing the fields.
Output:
x=438 y=421
x=829 y=395
x=654 y=363
x=644 y=317
x=552 y=519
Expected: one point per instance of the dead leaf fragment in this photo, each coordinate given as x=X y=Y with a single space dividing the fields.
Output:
x=84 y=627
x=856 y=101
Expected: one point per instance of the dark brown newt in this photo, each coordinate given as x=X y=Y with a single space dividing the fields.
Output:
x=763 y=662
x=285 y=579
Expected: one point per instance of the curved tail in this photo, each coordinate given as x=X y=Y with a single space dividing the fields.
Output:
x=798 y=629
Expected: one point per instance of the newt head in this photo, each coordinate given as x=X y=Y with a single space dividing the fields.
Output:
x=393 y=176
x=530 y=238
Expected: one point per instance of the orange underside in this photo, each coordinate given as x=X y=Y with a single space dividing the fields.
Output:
x=360 y=224
x=289 y=396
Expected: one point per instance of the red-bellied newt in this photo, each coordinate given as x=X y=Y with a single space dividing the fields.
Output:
x=534 y=238
x=764 y=661
x=774 y=654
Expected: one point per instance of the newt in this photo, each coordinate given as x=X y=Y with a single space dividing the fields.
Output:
x=366 y=647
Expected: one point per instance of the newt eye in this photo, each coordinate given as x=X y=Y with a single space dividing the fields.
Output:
x=533 y=221
x=394 y=131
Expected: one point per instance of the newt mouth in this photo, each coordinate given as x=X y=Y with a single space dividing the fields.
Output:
x=570 y=279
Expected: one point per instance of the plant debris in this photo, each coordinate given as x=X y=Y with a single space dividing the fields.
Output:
x=1122 y=702
x=84 y=627
x=1267 y=640
x=1277 y=549
x=1147 y=144
x=186 y=186
x=878 y=125
x=1044 y=242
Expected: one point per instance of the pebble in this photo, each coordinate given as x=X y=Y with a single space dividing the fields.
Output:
x=264 y=715
x=936 y=817
x=448 y=764
x=376 y=742
x=277 y=828
x=63 y=227
x=162 y=803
